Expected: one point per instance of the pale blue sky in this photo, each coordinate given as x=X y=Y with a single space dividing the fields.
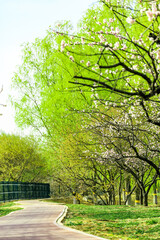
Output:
x=22 y=21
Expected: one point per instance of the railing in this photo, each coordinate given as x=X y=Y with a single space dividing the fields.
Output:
x=20 y=190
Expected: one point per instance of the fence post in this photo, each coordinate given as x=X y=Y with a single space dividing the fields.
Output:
x=3 y=192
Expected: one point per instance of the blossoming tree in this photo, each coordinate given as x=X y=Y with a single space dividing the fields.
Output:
x=116 y=56
x=119 y=58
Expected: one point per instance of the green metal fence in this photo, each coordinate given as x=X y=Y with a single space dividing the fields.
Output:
x=20 y=190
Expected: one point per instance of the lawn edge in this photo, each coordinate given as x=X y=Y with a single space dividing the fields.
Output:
x=20 y=208
x=59 y=223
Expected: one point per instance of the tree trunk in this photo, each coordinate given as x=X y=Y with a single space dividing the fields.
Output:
x=124 y=194
x=106 y=199
x=76 y=201
x=110 y=197
x=119 y=197
x=120 y=188
x=155 y=201
x=145 y=197
x=141 y=196
x=128 y=189
x=95 y=198
x=76 y=198
x=137 y=192
x=113 y=196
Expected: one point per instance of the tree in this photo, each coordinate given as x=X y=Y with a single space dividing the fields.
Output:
x=117 y=142
x=120 y=64
x=44 y=96
x=45 y=102
x=21 y=159
x=113 y=62
x=119 y=54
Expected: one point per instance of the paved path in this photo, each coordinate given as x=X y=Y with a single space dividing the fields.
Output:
x=37 y=221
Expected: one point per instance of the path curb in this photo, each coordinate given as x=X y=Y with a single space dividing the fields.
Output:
x=59 y=223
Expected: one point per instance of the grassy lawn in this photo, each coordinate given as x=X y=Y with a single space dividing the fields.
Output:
x=115 y=222
x=6 y=208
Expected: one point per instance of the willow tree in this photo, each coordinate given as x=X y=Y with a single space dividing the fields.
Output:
x=44 y=97
x=45 y=102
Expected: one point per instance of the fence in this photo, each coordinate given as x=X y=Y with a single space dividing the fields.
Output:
x=20 y=190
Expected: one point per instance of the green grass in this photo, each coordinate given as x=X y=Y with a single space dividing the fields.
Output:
x=116 y=222
x=6 y=208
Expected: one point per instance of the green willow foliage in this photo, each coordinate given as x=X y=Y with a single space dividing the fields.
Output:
x=21 y=160
x=44 y=94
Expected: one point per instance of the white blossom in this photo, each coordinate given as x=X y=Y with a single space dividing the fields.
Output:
x=117 y=30
x=62 y=45
x=112 y=29
x=142 y=10
x=71 y=58
x=82 y=40
x=154 y=8
x=135 y=67
x=158 y=54
x=88 y=64
x=111 y=20
x=150 y=15
x=130 y=20
x=101 y=37
x=116 y=45
x=124 y=47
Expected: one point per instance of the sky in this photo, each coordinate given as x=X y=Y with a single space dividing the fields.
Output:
x=22 y=21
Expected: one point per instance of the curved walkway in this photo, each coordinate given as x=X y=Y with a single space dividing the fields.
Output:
x=37 y=221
